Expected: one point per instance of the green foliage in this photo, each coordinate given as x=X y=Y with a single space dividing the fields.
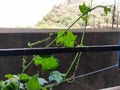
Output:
x=11 y=84
x=43 y=88
x=33 y=83
x=9 y=76
x=83 y=8
x=106 y=10
x=85 y=18
x=56 y=76
x=1 y=83
x=24 y=77
x=48 y=62
x=23 y=82
x=66 y=39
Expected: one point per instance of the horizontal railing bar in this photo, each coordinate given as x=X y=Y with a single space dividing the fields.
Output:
x=53 y=50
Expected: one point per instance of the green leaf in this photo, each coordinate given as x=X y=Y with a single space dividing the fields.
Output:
x=56 y=76
x=48 y=62
x=85 y=18
x=8 y=87
x=83 y=8
x=1 y=83
x=106 y=10
x=66 y=39
x=33 y=83
x=24 y=76
x=10 y=84
x=44 y=88
x=9 y=76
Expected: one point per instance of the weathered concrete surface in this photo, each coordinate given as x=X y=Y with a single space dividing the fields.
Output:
x=112 y=88
x=17 y=38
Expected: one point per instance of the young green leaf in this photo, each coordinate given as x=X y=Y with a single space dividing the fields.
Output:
x=84 y=9
x=33 y=83
x=44 y=88
x=56 y=76
x=66 y=39
x=48 y=62
x=106 y=10
x=9 y=76
x=1 y=83
x=85 y=18
x=24 y=77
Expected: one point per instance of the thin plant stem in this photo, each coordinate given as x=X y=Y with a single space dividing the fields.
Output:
x=73 y=62
x=81 y=43
x=100 y=6
x=82 y=39
x=38 y=42
x=77 y=54
x=83 y=75
x=24 y=69
x=83 y=34
x=77 y=63
x=51 y=42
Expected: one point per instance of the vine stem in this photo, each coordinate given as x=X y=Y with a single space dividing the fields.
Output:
x=65 y=31
x=32 y=44
x=78 y=53
x=59 y=37
x=100 y=6
x=77 y=63
x=26 y=68
x=82 y=39
x=80 y=76
x=74 y=60
x=51 y=42
x=24 y=71
x=81 y=43
x=38 y=42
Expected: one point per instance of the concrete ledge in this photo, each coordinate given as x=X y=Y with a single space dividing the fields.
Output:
x=112 y=88
x=37 y=30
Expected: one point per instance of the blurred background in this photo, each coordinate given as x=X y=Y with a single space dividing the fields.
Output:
x=55 y=13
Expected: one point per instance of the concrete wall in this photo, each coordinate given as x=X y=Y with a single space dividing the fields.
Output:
x=17 y=38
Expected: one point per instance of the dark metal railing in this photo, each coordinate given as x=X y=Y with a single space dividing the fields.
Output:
x=53 y=50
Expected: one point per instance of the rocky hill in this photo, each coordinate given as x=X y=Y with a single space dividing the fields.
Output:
x=63 y=16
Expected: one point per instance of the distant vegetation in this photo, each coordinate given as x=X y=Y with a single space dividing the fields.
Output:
x=63 y=15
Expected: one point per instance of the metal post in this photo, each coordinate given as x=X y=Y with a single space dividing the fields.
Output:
x=113 y=15
x=118 y=20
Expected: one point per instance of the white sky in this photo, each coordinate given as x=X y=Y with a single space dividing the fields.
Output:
x=26 y=12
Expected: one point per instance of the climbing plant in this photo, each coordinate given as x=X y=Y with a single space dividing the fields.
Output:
x=63 y=38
